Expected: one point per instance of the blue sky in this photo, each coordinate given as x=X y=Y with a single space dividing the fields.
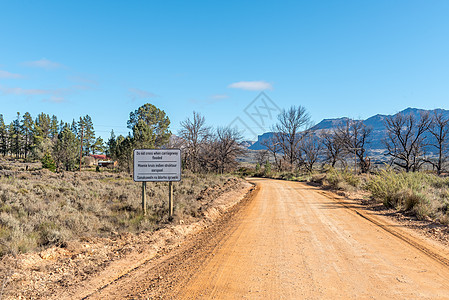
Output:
x=336 y=58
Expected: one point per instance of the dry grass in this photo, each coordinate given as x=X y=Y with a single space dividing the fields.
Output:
x=421 y=194
x=424 y=195
x=39 y=208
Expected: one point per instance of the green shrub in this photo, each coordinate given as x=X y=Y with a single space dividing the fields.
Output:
x=342 y=180
x=267 y=169
x=48 y=162
x=421 y=193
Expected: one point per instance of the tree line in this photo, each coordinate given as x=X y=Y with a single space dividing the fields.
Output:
x=203 y=148
x=47 y=138
x=411 y=142
x=58 y=144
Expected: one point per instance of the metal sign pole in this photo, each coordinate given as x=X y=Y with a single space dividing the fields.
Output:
x=144 y=198
x=170 y=199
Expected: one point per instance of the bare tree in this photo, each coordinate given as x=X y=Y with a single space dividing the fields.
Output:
x=309 y=151
x=333 y=149
x=273 y=147
x=195 y=133
x=354 y=138
x=224 y=149
x=262 y=156
x=406 y=140
x=288 y=131
x=439 y=129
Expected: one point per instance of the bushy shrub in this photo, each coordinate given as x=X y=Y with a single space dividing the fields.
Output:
x=417 y=192
x=267 y=169
x=48 y=162
x=342 y=180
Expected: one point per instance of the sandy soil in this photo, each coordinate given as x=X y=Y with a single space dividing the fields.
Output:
x=293 y=241
x=85 y=266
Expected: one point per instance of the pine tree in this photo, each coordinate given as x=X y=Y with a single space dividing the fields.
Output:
x=74 y=127
x=150 y=126
x=43 y=125
x=3 y=137
x=42 y=138
x=111 y=146
x=54 y=127
x=27 y=128
x=98 y=146
x=124 y=152
x=86 y=126
x=65 y=150
x=15 y=136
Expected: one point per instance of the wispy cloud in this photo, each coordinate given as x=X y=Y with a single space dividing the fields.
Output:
x=8 y=75
x=43 y=64
x=220 y=96
x=135 y=94
x=52 y=95
x=21 y=91
x=54 y=99
x=251 y=85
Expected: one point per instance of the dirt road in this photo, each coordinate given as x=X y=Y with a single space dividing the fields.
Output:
x=291 y=241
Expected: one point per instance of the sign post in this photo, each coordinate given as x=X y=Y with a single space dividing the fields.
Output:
x=170 y=199
x=157 y=165
x=144 y=198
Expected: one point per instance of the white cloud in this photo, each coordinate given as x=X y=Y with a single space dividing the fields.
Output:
x=43 y=63
x=251 y=85
x=52 y=95
x=8 y=75
x=139 y=94
x=21 y=91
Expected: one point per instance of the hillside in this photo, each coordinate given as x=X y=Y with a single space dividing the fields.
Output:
x=376 y=123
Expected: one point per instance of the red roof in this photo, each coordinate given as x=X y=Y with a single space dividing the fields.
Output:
x=99 y=156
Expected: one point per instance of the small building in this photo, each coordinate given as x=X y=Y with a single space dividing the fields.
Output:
x=100 y=160
x=107 y=163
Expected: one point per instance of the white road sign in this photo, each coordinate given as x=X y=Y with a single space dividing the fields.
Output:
x=157 y=165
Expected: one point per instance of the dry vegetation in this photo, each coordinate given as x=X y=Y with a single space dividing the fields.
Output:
x=39 y=208
x=420 y=194
x=423 y=195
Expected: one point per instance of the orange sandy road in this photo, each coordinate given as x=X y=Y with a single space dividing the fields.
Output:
x=292 y=242
x=296 y=243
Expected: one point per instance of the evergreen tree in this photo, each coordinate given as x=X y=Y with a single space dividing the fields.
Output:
x=150 y=126
x=10 y=138
x=27 y=129
x=124 y=152
x=98 y=146
x=74 y=127
x=43 y=125
x=48 y=162
x=3 y=137
x=66 y=149
x=42 y=136
x=86 y=127
x=111 y=146
x=15 y=136
x=54 y=127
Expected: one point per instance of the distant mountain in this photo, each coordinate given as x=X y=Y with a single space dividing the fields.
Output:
x=376 y=123
x=257 y=145
x=330 y=123
x=247 y=144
